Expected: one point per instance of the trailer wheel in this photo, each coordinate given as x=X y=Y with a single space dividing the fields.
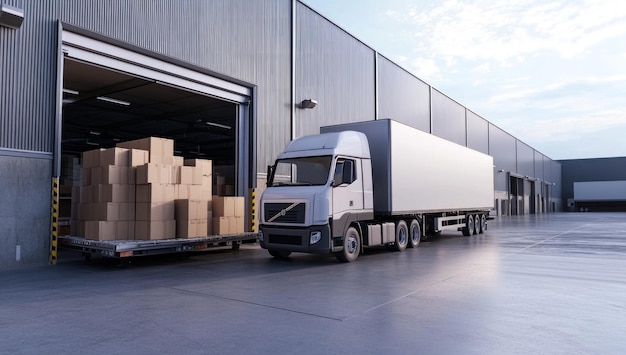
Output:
x=469 y=225
x=483 y=224
x=279 y=254
x=402 y=236
x=416 y=234
x=351 y=246
x=476 y=224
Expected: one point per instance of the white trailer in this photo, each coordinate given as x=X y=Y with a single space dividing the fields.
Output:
x=369 y=184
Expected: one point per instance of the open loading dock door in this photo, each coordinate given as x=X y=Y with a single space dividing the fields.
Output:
x=108 y=93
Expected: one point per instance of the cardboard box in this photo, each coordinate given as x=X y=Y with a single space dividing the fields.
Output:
x=113 y=193
x=201 y=227
x=196 y=175
x=137 y=157
x=240 y=205
x=239 y=225
x=114 y=156
x=154 y=211
x=86 y=194
x=113 y=174
x=100 y=230
x=151 y=193
x=224 y=206
x=186 y=175
x=155 y=230
x=91 y=158
x=178 y=161
x=153 y=173
x=205 y=165
x=106 y=211
x=187 y=209
x=161 y=150
x=85 y=176
x=209 y=229
x=125 y=230
x=221 y=225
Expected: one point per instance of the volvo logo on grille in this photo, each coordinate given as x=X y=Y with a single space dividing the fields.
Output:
x=283 y=212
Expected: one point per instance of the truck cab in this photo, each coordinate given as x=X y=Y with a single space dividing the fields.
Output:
x=316 y=189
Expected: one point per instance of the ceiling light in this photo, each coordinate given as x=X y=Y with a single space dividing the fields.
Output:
x=95 y=133
x=69 y=91
x=114 y=101
x=218 y=125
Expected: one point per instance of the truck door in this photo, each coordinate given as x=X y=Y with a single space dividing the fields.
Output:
x=347 y=192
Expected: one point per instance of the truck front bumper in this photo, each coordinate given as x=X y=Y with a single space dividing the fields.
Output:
x=296 y=239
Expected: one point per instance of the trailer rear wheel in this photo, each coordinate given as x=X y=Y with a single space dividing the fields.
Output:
x=469 y=225
x=483 y=223
x=280 y=254
x=476 y=224
x=416 y=234
x=351 y=246
x=402 y=236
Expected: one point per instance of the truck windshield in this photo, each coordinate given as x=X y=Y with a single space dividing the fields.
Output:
x=306 y=171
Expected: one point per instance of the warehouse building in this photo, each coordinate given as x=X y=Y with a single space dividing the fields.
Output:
x=594 y=185
x=232 y=81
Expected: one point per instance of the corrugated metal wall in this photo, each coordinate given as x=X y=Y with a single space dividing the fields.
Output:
x=242 y=39
x=333 y=68
x=477 y=133
x=448 y=118
x=525 y=159
x=502 y=149
x=402 y=97
x=27 y=80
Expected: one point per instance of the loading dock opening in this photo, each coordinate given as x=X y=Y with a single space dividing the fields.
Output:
x=108 y=93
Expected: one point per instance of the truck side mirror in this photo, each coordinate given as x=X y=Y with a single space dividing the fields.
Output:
x=348 y=172
x=270 y=177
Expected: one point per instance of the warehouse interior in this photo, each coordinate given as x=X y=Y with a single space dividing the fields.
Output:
x=102 y=106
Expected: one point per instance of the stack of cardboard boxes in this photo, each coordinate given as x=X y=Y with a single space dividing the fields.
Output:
x=140 y=190
x=107 y=194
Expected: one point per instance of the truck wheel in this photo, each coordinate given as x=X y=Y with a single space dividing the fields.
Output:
x=280 y=254
x=469 y=225
x=483 y=224
x=351 y=246
x=416 y=234
x=476 y=224
x=402 y=236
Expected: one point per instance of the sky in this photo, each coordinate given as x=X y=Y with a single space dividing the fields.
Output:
x=551 y=73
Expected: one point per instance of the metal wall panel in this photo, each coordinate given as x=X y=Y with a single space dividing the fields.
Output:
x=333 y=68
x=502 y=149
x=555 y=171
x=525 y=159
x=27 y=67
x=477 y=133
x=448 y=118
x=240 y=39
x=402 y=96
x=539 y=158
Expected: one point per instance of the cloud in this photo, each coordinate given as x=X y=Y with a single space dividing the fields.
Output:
x=564 y=129
x=507 y=31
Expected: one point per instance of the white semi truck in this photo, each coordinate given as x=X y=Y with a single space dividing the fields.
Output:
x=373 y=183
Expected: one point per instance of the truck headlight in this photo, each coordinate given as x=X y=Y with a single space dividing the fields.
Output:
x=315 y=237
x=260 y=236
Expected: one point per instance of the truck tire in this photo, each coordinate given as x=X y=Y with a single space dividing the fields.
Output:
x=469 y=225
x=279 y=254
x=415 y=234
x=402 y=236
x=476 y=224
x=351 y=246
x=483 y=223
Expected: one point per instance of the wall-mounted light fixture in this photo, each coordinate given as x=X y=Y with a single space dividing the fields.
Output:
x=501 y=170
x=11 y=17
x=308 y=103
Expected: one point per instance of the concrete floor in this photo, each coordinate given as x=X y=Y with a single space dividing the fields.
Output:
x=550 y=284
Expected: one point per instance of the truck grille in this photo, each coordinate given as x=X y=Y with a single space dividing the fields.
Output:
x=284 y=212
